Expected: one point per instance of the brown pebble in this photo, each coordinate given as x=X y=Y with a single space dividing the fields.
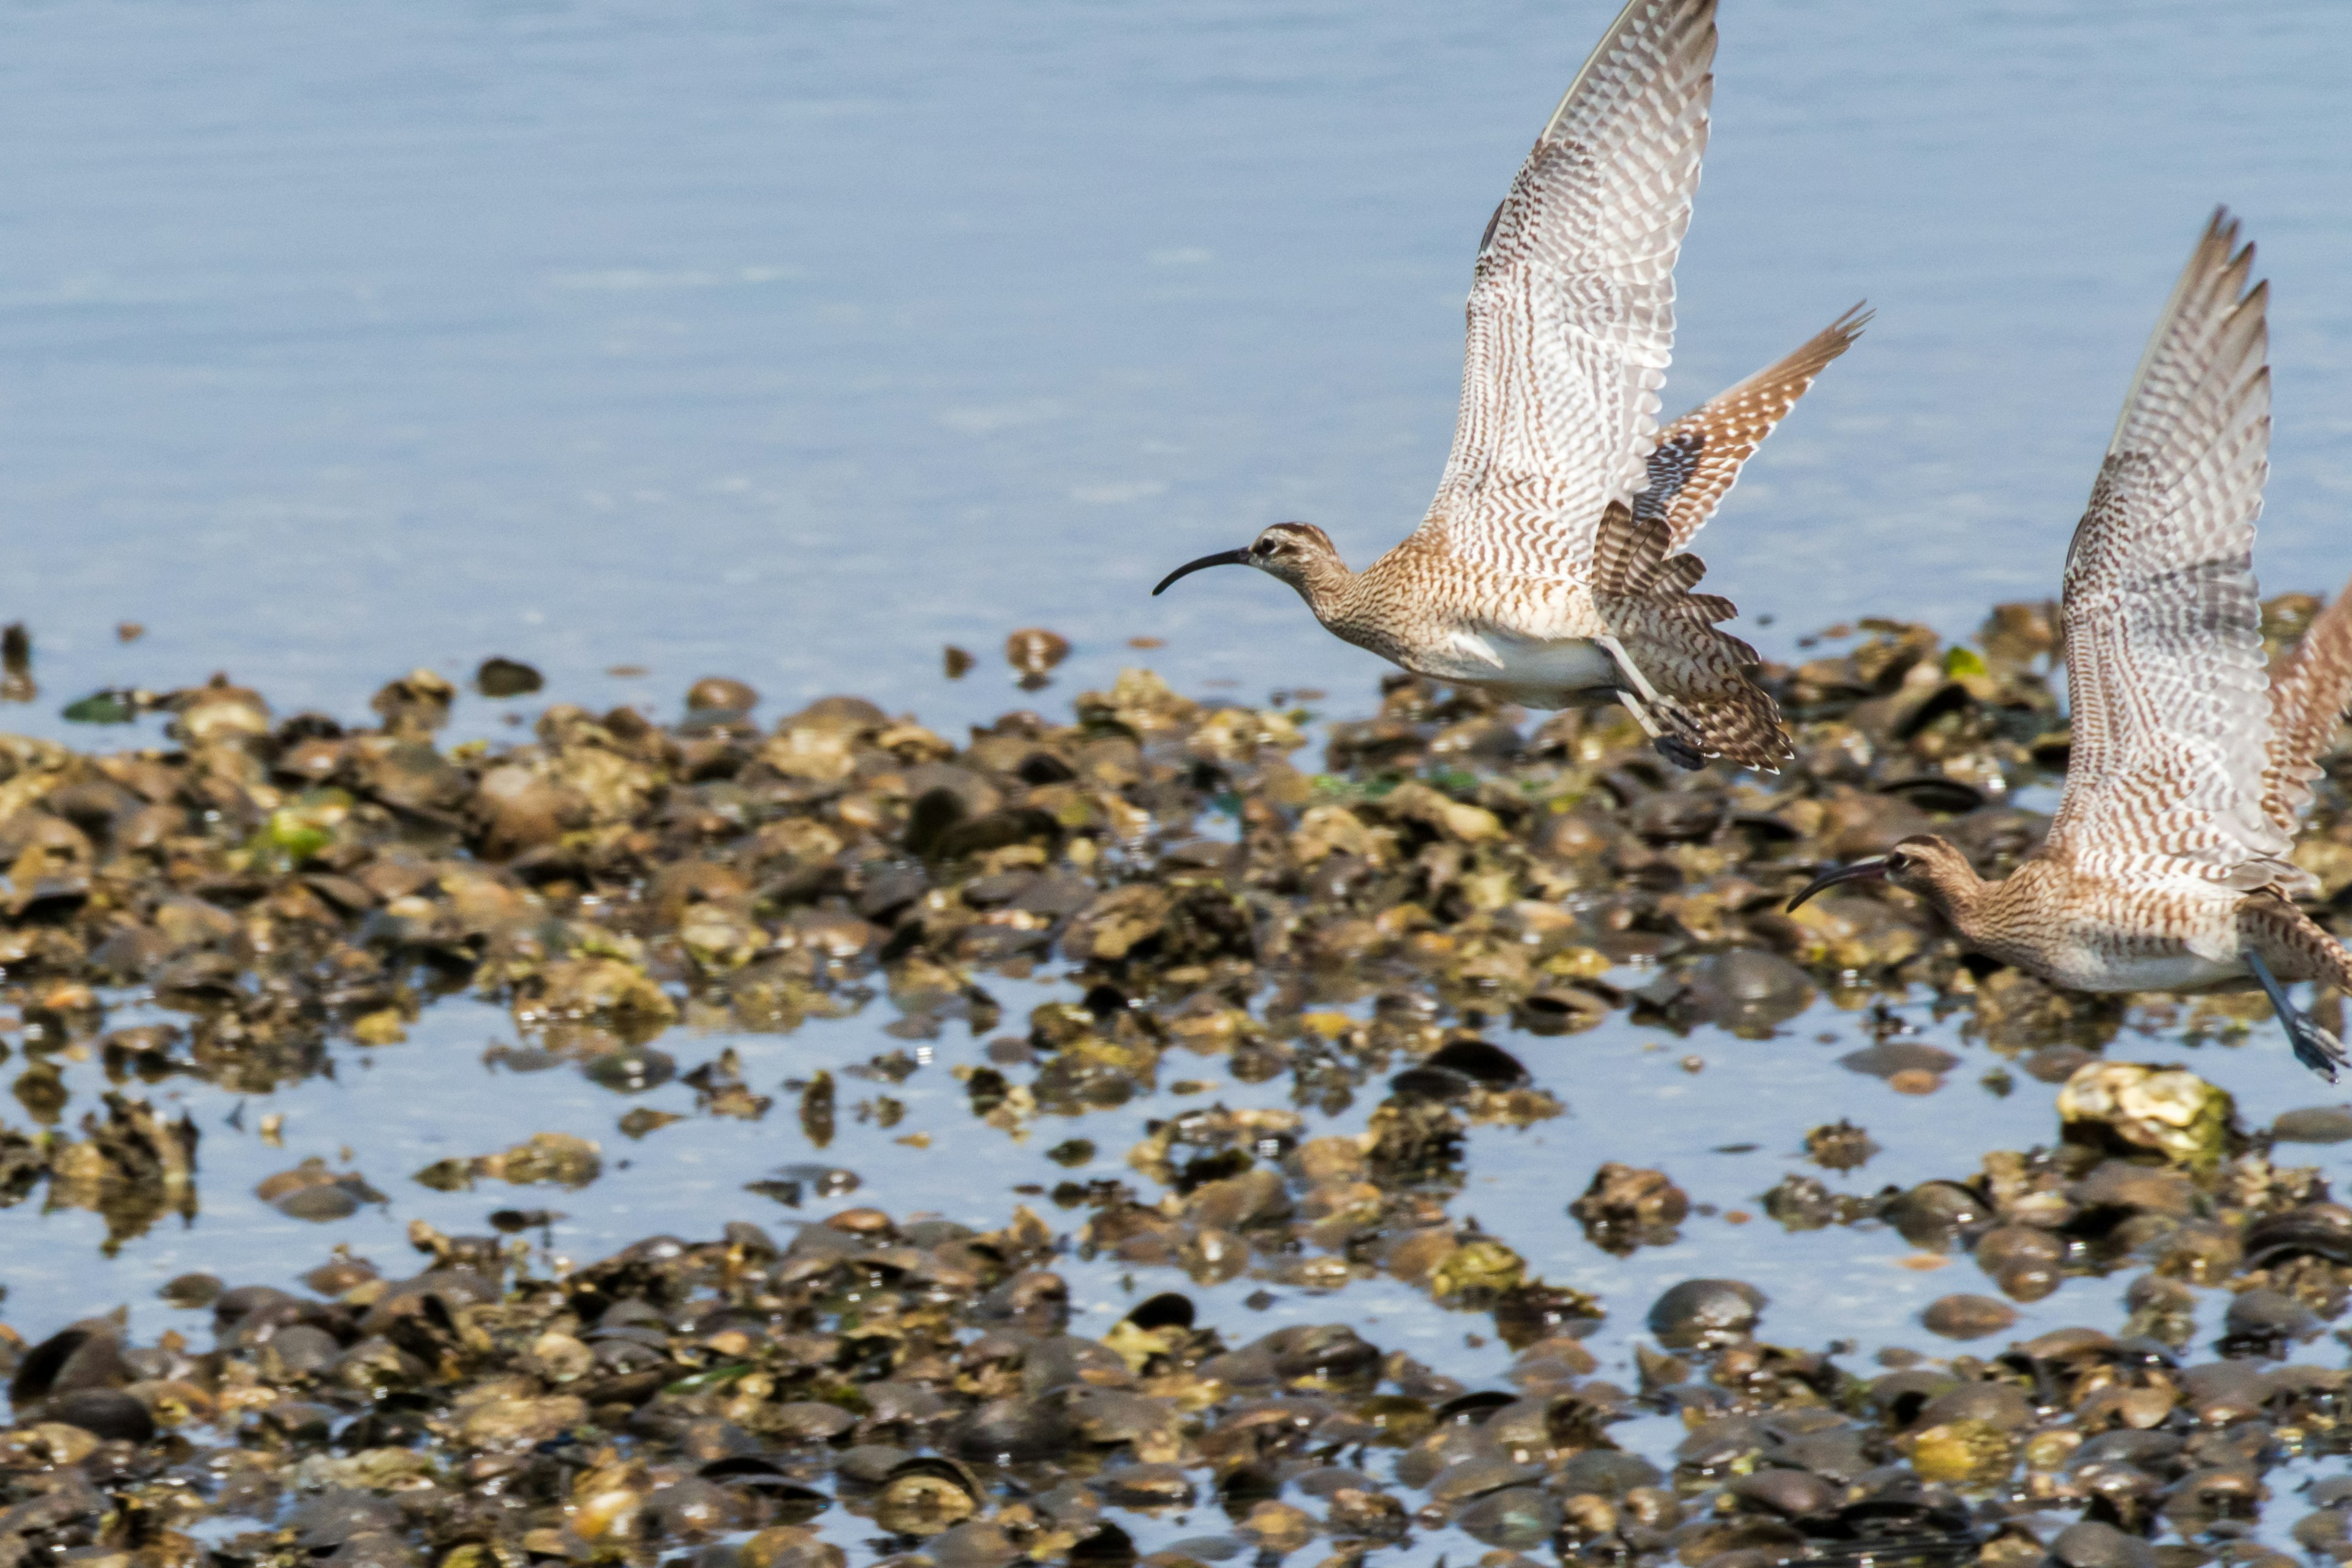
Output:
x=1915 y=1081
x=2313 y=1124
x=1839 y=1146
x=1278 y=1528
x=1033 y=650
x=2027 y=1281
x=507 y=677
x=128 y=631
x=721 y=694
x=1966 y=1317
x=956 y=662
x=191 y=1290
x=2056 y=1064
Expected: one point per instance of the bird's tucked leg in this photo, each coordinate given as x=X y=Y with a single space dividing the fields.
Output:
x=1633 y=673
x=2315 y=1048
x=1647 y=707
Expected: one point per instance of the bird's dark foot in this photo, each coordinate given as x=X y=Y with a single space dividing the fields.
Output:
x=1681 y=753
x=2315 y=1048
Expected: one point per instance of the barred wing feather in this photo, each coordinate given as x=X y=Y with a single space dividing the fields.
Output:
x=1571 y=318
x=2164 y=660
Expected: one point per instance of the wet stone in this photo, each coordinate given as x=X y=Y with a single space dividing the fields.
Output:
x=1890 y=1059
x=722 y=694
x=1966 y=1317
x=104 y=1413
x=1705 y=1312
x=1625 y=1208
x=2093 y=1544
x=191 y=1290
x=2266 y=1322
x=1839 y=1146
x=2313 y=1124
x=1516 y=1518
x=506 y=677
x=1938 y=1215
x=1748 y=989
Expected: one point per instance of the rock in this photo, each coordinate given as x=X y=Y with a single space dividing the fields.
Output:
x=1891 y=1059
x=2138 y=1106
x=787 y=1546
x=1964 y=1317
x=1033 y=651
x=521 y=1422
x=104 y=1413
x=2313 y=1124
x=721 y=694
x=1625 y=1208
x=1515 y=1519
x=190 y=1290
x=499 y=677
x=1747 y=989
x=2264 y=1321
x=2000 y=1406
x=1011 y=1431
x=1938 y=1215
x=1792 y=1494
x=1700 y=1312
x=2091 y=1544
x=1839 y=1146
x=1278 y=1528
x=1963 y=1453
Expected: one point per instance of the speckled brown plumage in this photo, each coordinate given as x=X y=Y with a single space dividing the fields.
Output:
x=1546 y=568
x=1698 y=457
x=2311 y=688
x=2166 y=865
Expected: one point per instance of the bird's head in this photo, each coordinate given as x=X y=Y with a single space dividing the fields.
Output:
x=1922 y=864
x=1295 y=552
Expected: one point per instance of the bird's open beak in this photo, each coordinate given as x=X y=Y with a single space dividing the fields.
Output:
x=1222 y=557
x=1871 y=870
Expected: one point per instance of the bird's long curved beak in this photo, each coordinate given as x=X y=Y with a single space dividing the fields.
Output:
x=1872 y=870
x=1222 y=557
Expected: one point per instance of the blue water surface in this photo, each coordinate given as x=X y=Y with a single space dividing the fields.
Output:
x=795 y=341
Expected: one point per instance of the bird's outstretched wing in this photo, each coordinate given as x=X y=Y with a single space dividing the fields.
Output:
x=2311 y=688
x=1698 y=457
x=2164 y=656
x=1572 y=316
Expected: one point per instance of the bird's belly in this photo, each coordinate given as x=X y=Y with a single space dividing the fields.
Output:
x=1530 y=669
x=1567 y=664
x=2087 y=969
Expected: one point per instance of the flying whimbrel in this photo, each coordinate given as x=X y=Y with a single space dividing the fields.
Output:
x=2166 y=867
x=1547 y=567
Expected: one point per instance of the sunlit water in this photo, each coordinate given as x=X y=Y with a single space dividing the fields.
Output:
x=1725 y=1116
x=796 y=341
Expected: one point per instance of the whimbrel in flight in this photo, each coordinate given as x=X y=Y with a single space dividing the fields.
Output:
x=1547 y=567
x=2167 y=866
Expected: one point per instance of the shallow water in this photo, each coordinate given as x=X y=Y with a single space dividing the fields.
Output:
x=796 y=342
x=1725 y=1116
